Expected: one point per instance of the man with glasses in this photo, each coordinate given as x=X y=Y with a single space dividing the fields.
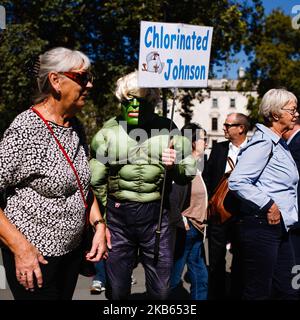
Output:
x=235 y=130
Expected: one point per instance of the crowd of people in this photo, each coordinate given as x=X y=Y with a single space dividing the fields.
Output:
x=140 y=187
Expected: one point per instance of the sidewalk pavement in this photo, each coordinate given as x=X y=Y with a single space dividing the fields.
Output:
x=82 y=291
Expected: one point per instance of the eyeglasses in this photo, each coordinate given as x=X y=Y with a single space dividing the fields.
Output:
x=82 y=78
x=229 y=125
x=291 y=111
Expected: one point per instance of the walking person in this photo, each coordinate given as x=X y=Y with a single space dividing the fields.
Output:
x=130 y=154
x=42 y=223
x=265 y=180
x=189 y=203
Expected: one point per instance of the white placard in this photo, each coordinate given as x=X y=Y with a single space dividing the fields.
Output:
x=174 y=55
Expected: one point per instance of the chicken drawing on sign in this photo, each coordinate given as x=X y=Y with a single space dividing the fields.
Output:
x=153 y=63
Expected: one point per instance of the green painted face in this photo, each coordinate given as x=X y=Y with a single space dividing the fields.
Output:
x=130 y=111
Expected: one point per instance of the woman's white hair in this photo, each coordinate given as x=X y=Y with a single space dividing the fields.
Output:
x=273 y=101
x=127 y=88
x=59 y=60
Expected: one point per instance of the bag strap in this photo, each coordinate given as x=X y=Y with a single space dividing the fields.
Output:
x=65 y=154
x=231 y=163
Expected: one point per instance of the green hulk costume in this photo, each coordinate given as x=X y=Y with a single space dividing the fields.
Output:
x=139 y=180
x=127 y=177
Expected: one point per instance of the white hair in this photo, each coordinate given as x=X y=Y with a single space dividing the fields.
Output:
x=273 y=101
x=59 y=60
x=127 y=88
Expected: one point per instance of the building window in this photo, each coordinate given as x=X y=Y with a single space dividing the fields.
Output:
x=214 y=124
x=232 y=103
x=213 y=142
x=215 y=103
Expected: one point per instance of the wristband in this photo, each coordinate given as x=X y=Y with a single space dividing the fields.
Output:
x=98 y=221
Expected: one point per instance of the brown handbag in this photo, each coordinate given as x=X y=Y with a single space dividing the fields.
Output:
x=216 y=209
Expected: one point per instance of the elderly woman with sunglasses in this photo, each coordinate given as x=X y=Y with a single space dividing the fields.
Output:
x=45 y=174
x=265 y=179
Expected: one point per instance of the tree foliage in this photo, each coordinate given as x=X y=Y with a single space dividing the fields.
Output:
x=108 y=32
x=277 y=60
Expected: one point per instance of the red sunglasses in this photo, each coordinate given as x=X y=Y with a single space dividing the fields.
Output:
x=82 y=78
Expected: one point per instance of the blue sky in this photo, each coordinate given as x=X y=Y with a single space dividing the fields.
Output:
x=269 y=5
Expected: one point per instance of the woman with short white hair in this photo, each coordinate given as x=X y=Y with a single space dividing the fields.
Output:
x=45 y=173
x=265 y=179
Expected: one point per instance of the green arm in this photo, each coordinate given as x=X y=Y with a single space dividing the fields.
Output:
x=99 y=169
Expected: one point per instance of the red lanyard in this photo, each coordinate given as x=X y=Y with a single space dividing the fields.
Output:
x=66 y=156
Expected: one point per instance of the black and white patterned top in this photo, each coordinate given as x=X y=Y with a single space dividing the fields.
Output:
x=43 y=197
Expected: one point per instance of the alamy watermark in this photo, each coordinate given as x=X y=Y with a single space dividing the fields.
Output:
x=296 y=18
x=296 y=278
x=142 y=147
x=2 y=18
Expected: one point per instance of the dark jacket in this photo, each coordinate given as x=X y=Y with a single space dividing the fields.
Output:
x=294 y=147
x=179 y=196
x=180 y=202
x=215 y=166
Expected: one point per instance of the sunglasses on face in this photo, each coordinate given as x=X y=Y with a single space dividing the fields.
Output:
x=229 y=125
x=82 y=78
x=135 y=102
